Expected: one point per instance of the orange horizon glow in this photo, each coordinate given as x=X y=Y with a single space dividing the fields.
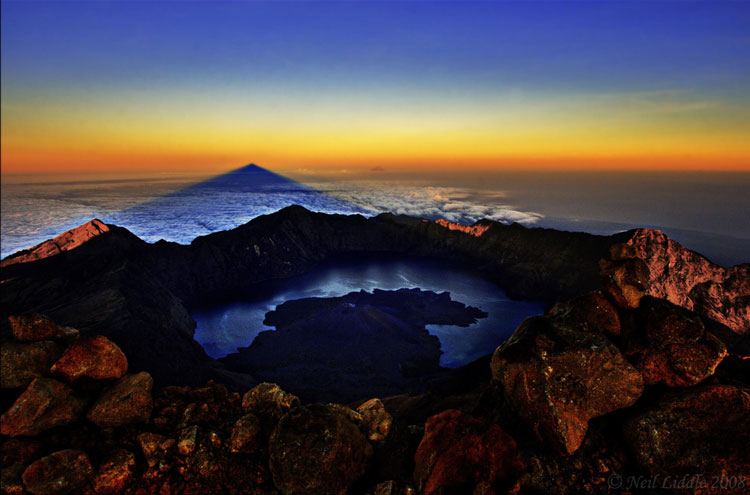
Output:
x=70 y=161
x=408 y=87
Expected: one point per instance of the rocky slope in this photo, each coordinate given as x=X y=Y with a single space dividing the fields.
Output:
x=688 y=279
x=138 y=294
x=614 y=391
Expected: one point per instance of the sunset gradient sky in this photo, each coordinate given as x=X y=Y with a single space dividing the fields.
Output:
x=312 y=86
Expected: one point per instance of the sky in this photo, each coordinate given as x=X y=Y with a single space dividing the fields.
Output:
x=400 y=86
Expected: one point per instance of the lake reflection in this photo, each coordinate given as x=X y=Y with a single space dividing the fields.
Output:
x=223 y=328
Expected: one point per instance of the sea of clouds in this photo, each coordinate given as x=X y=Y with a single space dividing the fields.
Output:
x=178 y=211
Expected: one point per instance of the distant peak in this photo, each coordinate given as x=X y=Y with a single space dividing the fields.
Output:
x=251 y=167
x=66 y=241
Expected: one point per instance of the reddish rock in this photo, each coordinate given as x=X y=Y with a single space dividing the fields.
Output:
x=94 y=357
x=269 y=401
x=558 y=378
x=21 y=362
x=46 y=403
x=246 y=437
x=10 y=480
x=58 y=473
x=458 y=453
x=621 y=251
x=198 y=413
x=316 y=450
x=376 y=422
x=127 y=401
x=155 y=447
x=670 y=345
x=32 y=327
x=115 y=473
x=626 y=281
x=686 y=278
x=66 y=241
x=592 y=313
x=188 y=440
x=701 y=431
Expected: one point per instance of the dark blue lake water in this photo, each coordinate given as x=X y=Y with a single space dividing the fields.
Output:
x=223 y=328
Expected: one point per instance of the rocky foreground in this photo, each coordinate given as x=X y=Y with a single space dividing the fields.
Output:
x=614 y=391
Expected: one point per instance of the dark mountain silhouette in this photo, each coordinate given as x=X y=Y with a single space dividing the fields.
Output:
x=138 y=294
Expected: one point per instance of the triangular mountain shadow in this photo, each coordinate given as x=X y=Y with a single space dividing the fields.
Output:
x=221 y=203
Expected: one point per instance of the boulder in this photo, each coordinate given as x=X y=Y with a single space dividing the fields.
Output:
x=316 y=450
x=187 y=441
x=700 y=431
x=246 y=435
x=58 y=473
x=46 y=403
x=459 y=453
x=626 y=281
x=127 y=401
x=32 y=327
x=21 y=362
x=592 y=313
x=115 y=473
x=557 y=378
x=269 y=402
x=670 y=345
x=376 y=422
x=94 y=357
x=155 y=447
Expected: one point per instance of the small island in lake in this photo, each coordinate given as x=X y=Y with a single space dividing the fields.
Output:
x=339 y=348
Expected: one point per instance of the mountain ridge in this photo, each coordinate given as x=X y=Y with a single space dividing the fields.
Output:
x=139 y=294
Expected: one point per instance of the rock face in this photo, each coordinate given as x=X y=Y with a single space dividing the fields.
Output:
x=269 y=402
x=21 y=362
x=560 y=378
x=376 y=422
x=128 y=401
x=591 y=313
x=459 y=453
x=366 y=343
x=476 y=230
x=32 y=327
x=155 y=447
x=246 y=434
x=702 y=431
x=95 y=357
x=315 y=449
x=687 y=279
x=114 y=474
x=671 y=346
x=626 y=281
x=58 y=473
x=46 y=403
x=64 y=242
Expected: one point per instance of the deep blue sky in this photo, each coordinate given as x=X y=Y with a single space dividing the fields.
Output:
x=393 y=63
